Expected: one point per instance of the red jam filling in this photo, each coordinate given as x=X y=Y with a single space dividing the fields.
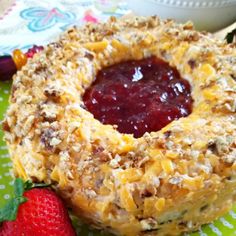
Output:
x=139 y=96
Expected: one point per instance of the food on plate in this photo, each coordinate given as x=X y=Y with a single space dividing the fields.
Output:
x=35 y=211
x=165 y=181
x=139 y=96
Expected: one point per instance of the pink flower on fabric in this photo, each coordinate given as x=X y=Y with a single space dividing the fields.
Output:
x=89 y=17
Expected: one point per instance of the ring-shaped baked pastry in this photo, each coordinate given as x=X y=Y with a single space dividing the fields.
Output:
x=165 y=182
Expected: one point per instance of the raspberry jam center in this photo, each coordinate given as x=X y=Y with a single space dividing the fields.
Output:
x=139 y=96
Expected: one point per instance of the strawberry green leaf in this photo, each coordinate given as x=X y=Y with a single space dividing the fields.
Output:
x=18 y=187
x=9 y=211
x=29 y=185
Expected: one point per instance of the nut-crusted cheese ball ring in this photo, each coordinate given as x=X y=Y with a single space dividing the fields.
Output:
x=165 y=182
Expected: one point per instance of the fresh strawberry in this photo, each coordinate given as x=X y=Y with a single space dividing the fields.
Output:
x=40 y=213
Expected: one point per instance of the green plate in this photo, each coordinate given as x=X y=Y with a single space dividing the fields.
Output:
x=225 y=226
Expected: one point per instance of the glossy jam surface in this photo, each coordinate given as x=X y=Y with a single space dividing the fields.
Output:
x=139 y=96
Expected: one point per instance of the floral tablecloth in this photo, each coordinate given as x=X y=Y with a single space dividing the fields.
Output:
x=26 y=23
